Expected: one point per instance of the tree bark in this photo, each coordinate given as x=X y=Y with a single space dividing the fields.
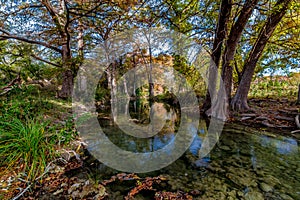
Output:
x=298 y=99
x=80 y=47
x=67 y=75
x=111 y=78
x=232 y=42
x=80 y=42
x=222 y=101
x=67 y=86
x=220 y=34
x=151 y=84
x=239 y=102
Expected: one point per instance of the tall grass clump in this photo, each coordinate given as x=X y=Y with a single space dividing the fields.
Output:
x=25 y=146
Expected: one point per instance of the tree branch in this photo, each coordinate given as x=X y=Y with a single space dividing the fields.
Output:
x=45 y=61
x=6 y=37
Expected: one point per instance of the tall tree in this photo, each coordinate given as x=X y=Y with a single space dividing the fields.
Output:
x=232 y=43
x=239 y=102
x=220 y=35
x=58 y=28
x=42 y=23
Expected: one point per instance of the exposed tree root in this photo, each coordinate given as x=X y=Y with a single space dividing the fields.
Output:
x=239 y=105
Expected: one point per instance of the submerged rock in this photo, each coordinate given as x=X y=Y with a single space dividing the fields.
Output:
x=225 y=148
x=200 y=163
x=271 y=180
x=254 y=195
x=286 y=197
x=265 y=187
x=241 y=177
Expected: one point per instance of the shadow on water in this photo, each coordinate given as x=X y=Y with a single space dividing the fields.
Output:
x=244 y=164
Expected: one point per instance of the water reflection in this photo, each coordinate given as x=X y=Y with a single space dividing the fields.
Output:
x=243 y=165
x=164 y=123
x=283 y=146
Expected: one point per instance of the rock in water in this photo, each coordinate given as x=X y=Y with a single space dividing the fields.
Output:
x=265 y=187
x=254 y=195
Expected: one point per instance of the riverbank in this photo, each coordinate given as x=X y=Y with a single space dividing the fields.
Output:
x=274 y=115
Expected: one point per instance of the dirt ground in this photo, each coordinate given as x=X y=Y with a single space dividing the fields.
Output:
x=275 y=115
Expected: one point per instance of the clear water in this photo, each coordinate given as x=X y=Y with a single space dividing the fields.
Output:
x=244 y=164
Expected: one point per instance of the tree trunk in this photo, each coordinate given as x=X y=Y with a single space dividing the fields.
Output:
x=80 y=43
x=298 y=99
x=111 y=76
x=67 y=84
x=239 y=102
x=151 y=84
x=220 y=34
x=67 y=75
x=61 y=19
x=228 y=58
x=232 y=42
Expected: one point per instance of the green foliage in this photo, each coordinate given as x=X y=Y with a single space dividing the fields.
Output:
x=277 y=87
x=25 y=102
x=25 y=144
x=63 y=133
x=191 y=74
x=102 y=94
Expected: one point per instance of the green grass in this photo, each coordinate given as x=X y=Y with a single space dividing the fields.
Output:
x=33 y=125
x=27 y=145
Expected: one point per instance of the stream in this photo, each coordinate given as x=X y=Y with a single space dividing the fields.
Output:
x=245 y=163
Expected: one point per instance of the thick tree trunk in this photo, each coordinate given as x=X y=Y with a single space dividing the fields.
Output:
x=220 y=34
x=222 y=102
x=239 y=102
x=67 y=75
x=67 y=84
x=232 y=42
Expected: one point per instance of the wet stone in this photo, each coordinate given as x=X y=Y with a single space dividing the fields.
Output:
x=241 y=177
x=254 y=195
x=286 y=197
x=225 y=148
x=271 y=180
x=265 y=187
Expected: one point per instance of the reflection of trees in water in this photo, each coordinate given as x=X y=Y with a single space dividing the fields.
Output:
x=141 y=111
